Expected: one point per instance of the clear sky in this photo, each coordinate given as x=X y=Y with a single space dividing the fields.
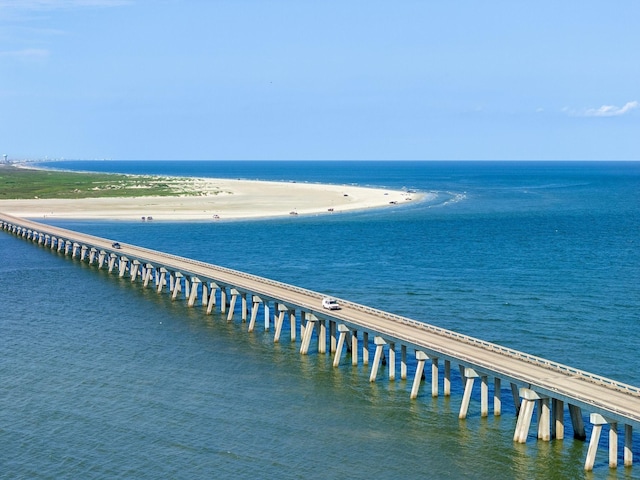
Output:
x=320 y=79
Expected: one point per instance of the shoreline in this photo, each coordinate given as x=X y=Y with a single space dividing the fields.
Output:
x=218 y=199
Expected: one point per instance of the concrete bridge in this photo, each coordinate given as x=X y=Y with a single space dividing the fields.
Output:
x=407 y=346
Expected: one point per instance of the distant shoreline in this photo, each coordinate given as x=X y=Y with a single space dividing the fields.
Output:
x=216 y=199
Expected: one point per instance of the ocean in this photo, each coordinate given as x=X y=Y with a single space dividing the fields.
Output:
x=102 y=379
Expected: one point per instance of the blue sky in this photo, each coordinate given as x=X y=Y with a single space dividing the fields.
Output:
x=325 y=79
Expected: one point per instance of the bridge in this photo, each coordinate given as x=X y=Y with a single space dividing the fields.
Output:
x=535 y=383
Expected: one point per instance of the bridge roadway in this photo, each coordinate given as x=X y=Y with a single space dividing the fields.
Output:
x=614 y=401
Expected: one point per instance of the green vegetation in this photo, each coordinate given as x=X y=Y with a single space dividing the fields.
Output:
x=22 y=183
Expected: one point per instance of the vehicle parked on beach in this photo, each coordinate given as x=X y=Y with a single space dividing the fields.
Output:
x=330 y=303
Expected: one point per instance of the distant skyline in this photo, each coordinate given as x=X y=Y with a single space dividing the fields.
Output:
x=331 y=80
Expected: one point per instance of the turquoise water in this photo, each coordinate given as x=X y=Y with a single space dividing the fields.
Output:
x=101 y=379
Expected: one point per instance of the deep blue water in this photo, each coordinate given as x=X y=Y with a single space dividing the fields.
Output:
x=104 y=380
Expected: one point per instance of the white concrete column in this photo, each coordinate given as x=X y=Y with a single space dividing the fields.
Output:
x=380 y=343
x=391 y=363
x=147 y=274
x=308 y=332
x=447 y=378
x=267 y=320
x=469 y=375
x=322 y=335
x=628 y=444
x=434 y=376
x=243 y=307
x=544 y=419
x=177 y=285
x=354 y=347
x=232 y=304
x=279 y=321
x=343 y=331
x=135 y=268
x=193 y=294
x=529 y=399
x=497 y=401
x=421 y=357
x=403 y=362
x=101 y=257
x=292 y=324
x=365 y=348
x=123 y=262
x=484 y=396
x=162 y=279
x=255 y=305
x=598 y=421
x=223 y=299
x=212 y=297
x=613 y=445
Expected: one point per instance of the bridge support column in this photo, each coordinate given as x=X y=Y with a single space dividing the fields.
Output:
x=529 y=399
x=255 y=305
x=193 y=294
x=579 y=432
x=598 y=421
x=123 y=262
x=212 y=297
x=83 y=252
x=515 y=393
x=365 y=348
x=74 y=250
x=149 y=271
x=403 y=362
x=497 y=401
x=292 y=324
x=628 y=444
x=223 y=299
x=232 y=304
x=343 y=331
x=557 y=415
x=281 y=309
x=354 y=348
x=391 y=364
x=321 y=325
x=135 y=268
x=308 y=332
x=447 y=378
x=243 y=307
x=421 y=357
x=333 y=339
x=101 y=258
x=92 y=255
x=434 y=376
x=176 y=285
x=379 y=343
x=469 y=375
x=267 y=317
x=161 y=279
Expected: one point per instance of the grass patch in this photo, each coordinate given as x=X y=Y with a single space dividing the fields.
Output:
x=21 y=183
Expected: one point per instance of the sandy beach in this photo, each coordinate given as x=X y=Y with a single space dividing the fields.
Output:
x=217 y=199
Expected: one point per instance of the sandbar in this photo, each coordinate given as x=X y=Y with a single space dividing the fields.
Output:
x=218 y=199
